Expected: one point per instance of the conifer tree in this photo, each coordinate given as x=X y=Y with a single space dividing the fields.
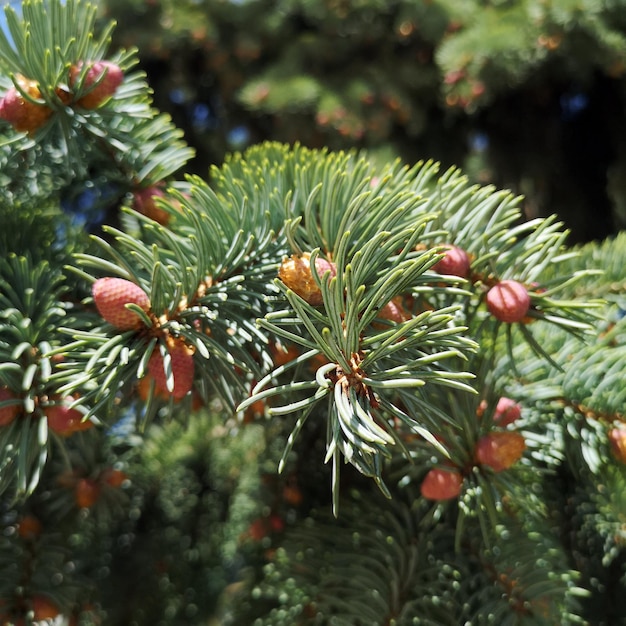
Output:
x=309 y=387
x=524 y=94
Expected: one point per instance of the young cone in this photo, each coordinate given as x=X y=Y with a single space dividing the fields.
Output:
x=113 y=477
x=111 y=295
x=96 y=92
x=392 y=312
x=500 y=450
x=65 y=421
x=22 y=114
x=86 y=493
x=182 y=364
x=143 y=202
x=441 y=484
x=507 y=411
x=296 y=274
x=29 y=527
x=44 y=609
x=456 y=262
x=617 y=441
x=282 y=354
x=508 y=301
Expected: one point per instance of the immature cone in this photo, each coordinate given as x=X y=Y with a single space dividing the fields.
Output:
x=264 y=526
x=143 y=389
x=22 y=114
x=254 y=411
x=500 y=450
x=111 y=295
x=507 y=411
x=258 y=529
x=65 y=421
x=144 y=203
x=393 y=311
x=456 y=262
x=10 y=412
x=95 y=96
x=86 y=493
x=441 y=484
x=182 y=364
x=296 y=274
x=508 y=301
x=617 y=441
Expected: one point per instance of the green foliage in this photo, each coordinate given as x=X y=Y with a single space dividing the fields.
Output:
x=31 y=310
x=31 y=231
x=523 y=93
x=387 y=563
x=198 y=490
x=125 y=142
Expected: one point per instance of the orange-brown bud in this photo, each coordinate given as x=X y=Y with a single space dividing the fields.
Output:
x=500 y=450
x=297 y=275
x=617 y=441
x=22 y=114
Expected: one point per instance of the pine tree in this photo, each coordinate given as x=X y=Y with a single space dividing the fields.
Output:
x=312 y=387
x=524 y=94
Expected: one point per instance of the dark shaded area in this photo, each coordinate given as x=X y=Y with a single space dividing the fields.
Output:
x=555 y=145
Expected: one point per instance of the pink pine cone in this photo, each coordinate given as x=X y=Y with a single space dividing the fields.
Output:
x=507 y=411
x=111 y=295
x=393 y=311
x=65 y=421
x=104 y=89
x=182 y=369
x=441 y=484
x=508 y=301
x=456 y=262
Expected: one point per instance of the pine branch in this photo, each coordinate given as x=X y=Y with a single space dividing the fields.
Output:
x=354 y=298
x=389 y=565
x=31 y=310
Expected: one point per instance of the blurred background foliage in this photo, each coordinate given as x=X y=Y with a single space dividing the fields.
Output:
x=527 y=94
